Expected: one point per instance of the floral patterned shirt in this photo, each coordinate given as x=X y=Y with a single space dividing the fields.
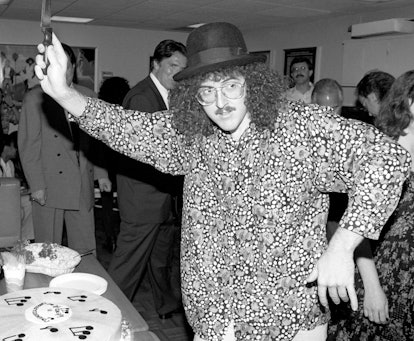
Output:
x=255 y=210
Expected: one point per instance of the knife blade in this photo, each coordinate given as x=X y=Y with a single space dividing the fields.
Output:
x=45 y=25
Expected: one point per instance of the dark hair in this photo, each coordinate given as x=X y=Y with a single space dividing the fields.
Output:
x=326 y=86
x=165 y=49
x=377 y=82
x=8 y=140
x=264 y=97
x=113 y=90
x=297 y=60
x=395 y=115
x=88 y=54
x=72 y=58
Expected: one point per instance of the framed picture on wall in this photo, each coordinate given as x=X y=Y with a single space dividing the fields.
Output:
x=265 y=53
x=17 y=70
x=307 y=52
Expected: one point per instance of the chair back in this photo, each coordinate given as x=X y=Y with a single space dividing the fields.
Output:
x=10 y=211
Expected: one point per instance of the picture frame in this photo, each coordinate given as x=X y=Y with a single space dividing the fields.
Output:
x=17 y=69
x=265 y=53
x=308 y=52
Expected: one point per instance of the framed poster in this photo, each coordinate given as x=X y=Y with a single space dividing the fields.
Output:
x=307 y=52
x=264 y=53
x=17 y=69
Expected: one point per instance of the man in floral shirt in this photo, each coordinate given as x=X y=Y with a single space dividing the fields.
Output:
x=257 y=171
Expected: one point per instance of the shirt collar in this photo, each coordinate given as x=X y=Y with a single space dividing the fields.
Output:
x=162 y=90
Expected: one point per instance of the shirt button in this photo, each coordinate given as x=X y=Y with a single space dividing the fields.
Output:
x=60 y=172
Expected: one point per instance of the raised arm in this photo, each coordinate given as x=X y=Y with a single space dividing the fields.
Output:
x=54 y=82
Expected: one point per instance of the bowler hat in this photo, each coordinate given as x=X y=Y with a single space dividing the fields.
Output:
x=215 y=46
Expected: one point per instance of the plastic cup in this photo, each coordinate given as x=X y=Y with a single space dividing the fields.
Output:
x=14 y=276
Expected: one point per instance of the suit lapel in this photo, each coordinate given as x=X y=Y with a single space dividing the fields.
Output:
x=157 y=94
x=56 y=118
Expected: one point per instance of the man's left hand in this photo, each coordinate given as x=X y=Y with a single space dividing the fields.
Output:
x=105 y=185
x=335 y=270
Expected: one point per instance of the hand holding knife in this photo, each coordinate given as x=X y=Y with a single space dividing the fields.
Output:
x=46 y=27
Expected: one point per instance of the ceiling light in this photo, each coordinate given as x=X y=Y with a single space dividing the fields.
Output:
x=196 y=25
x=376 y=1
x=72 y=19
x=4 y=2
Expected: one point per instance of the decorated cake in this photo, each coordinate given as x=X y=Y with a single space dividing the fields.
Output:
x=58 y=314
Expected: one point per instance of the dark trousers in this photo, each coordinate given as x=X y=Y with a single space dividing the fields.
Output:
x=145 y=247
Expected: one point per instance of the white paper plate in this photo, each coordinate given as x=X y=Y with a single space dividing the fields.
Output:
x=80 y=281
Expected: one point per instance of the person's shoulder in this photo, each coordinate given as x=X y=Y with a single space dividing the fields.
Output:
x=142 y=84
x=145 y=92
x=139 y=88
x=34 y=93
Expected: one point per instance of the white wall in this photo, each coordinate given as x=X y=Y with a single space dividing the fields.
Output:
x=327 y=35
x=124 y=52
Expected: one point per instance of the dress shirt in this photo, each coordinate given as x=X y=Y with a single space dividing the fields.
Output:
x=295 y=95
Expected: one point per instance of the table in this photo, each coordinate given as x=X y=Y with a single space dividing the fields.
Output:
x=90 y=264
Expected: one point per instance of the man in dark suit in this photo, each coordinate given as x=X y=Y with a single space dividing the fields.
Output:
x=54 y=156
x=145 y=196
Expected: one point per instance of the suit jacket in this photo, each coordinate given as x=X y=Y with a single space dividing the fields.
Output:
x=48 y=156
x=153 y=187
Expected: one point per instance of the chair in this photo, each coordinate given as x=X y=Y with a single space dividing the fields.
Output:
x=10 y=212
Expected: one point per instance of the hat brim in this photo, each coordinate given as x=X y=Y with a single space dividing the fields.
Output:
x=203 y=68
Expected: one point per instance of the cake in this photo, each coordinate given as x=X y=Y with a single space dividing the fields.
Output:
x=58 y=314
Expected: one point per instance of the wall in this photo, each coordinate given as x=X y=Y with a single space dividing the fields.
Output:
x=124 y=52
x=327 y=35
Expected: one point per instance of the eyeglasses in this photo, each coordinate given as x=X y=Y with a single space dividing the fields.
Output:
x=206 y=95
x=299 y=68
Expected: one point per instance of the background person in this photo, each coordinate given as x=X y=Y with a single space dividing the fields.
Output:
x=147 y=198
x=328 y=92
x=388 y=307
x=372 y=88
x=301 y=71
x=54 y=155
x=10 y=167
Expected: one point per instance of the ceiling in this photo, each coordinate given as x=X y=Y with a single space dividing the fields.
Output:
x=177 y=14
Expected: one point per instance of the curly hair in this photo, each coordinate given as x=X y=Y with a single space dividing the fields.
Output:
x=264 y=98
x=395 y=115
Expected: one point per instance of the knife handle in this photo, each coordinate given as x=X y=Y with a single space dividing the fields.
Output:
x=47 y=40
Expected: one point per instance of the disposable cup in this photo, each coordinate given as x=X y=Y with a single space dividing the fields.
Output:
x=14 y=276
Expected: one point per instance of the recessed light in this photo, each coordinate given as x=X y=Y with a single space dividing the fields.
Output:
x=71 y=19
x=196 y=25
x=376 y=1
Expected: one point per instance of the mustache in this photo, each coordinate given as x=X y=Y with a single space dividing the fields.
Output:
x=226 y=109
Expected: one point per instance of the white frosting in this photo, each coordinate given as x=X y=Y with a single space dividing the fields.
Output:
x=58 y=314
